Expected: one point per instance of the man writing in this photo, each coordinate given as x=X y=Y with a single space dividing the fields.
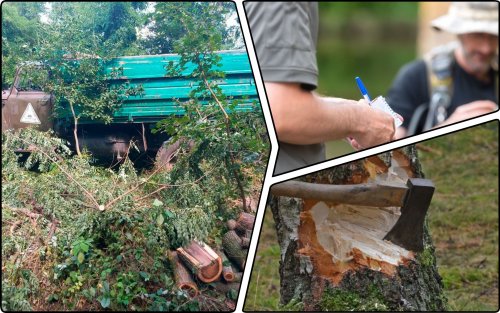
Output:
x=285 y=36
x=454 y=82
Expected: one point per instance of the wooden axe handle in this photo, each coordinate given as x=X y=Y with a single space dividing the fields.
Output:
x=375 y=194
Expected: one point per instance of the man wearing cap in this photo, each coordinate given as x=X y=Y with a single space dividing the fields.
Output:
x=454 y=82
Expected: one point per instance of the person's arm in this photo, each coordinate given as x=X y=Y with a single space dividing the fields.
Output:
x=470 y=110
x=301 y=117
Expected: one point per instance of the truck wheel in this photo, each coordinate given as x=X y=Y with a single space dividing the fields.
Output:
x=167 y=154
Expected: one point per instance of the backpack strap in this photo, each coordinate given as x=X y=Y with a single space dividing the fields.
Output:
x=440 y=77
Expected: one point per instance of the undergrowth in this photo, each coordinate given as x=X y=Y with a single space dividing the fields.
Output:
x=76 y=236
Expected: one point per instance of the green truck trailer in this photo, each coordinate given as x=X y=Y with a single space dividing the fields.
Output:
x=26 y=105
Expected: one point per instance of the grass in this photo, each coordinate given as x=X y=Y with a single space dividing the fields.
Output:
x=264 y=288
x=463 y=221
x=464 y=214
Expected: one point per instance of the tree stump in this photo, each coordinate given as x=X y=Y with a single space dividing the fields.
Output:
x=334 y=256
x=201 y=260
x=182 y=276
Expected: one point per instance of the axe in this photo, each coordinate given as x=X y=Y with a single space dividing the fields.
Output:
x=414 y=199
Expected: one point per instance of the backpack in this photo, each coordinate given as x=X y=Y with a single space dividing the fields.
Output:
x=439 y=63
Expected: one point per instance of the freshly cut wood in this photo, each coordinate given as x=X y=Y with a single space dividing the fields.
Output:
x=232 y=245
x=332 y=250
x=227 y=269
x=202 y=260
x=182 y=276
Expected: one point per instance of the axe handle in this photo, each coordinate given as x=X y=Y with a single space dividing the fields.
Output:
x=377 y=195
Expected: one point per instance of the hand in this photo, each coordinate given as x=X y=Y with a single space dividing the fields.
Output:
x=470 y=110
x=377 y=127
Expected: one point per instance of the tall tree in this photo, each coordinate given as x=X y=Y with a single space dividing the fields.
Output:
x=76 y=60
x=167 y=24
x=116 y=24
x=226 y=141
x=21 y=30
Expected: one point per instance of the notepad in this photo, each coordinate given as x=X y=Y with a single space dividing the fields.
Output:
x=381 y=104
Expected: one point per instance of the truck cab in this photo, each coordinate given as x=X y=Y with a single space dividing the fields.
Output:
x=25 y=103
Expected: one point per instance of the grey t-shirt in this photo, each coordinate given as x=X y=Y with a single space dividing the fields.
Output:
x=285 y=36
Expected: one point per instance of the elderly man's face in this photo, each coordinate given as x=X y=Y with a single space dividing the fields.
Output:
x=479 y=49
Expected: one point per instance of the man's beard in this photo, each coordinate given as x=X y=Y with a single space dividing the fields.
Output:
x=479 y=67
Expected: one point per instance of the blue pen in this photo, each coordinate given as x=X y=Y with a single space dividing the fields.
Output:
x=362 y=88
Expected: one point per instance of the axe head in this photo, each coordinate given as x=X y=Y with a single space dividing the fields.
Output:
x=409 y=229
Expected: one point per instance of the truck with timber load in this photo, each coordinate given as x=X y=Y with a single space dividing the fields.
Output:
x=25 y=104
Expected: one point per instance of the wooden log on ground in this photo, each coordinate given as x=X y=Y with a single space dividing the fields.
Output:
x=227 y=269
x=245 y=242
x=232 y=245
x=244 y=224
x=331 y=252
x=231 y=224
x=201 y=260
x=225 y=287
x=237 y=277
x=182 y=276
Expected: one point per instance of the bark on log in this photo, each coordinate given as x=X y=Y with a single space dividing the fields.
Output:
x=333 y=256
x=225 y=287
x=232 y=245
x=201 y=260
x=231 y=224
x=246 y=220
x=244 y=224
x=182 y=276
x=227 y=269
x=245 y=242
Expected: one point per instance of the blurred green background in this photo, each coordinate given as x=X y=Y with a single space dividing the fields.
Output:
x=371 y=40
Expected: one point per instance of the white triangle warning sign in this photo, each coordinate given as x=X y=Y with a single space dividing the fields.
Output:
x=29 y=116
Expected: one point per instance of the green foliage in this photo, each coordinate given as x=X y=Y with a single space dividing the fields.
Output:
x=166 y=32
x=21 y=30
x=225 y=142
x=336 y=299
x=16 y=290
x=100 y=235
x=121 y=246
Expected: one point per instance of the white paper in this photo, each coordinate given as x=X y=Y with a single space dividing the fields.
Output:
x=381 y=104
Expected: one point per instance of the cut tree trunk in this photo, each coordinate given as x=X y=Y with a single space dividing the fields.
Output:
x=201 y=260
x=334 y=256
x=232 y=245
x=182 y=276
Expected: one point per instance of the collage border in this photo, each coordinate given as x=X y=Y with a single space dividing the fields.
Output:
x=270 y=180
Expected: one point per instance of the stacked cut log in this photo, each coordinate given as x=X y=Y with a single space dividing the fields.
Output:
x=182 y=277
x=202 y=260
x=227 y=270
x=207 y=265
x=237 y=240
